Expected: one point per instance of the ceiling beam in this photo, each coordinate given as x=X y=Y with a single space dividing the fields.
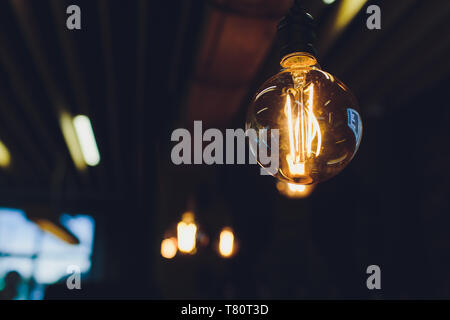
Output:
x=237 y=38
x=111 y=95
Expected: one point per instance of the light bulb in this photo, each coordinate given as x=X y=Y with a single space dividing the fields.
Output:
x=187 y=233
x=169 y=248
x=226 y=243
x=317 y=118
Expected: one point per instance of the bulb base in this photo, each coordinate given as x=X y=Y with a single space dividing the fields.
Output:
x=296 y=32
x=298 y=60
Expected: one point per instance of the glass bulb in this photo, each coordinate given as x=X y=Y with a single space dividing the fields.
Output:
x=317 y=118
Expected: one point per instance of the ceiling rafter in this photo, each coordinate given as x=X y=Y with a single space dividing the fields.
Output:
x=21 y=89
x=111 y=95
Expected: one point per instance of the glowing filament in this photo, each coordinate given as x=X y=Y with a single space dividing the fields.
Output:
x=294 y=190
x=296 y=187
x=303 y=132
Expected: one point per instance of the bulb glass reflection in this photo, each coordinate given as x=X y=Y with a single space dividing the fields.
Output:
x=317 y=118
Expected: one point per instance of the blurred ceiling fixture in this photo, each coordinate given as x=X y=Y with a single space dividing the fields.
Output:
x=328 y=1
x=346 y=12
x=169 y=248
x=226 y=243
x=292 y=190
x=70 y=136
x=47 y=218
x=316 y=115
x=80 y=140
x=5 y=156
x=187 y=233
x=86 y=138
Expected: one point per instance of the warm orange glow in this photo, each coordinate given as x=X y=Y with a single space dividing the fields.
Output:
x=315 y=119
x=169 y=248
x=296 y=187
x=188 y=217
x=293 y=190
x=304 y=132
x=187 y=233
x=226 y=243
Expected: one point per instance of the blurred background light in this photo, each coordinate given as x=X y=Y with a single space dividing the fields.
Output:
x=86 y=138
x=5 y=156
x=71 y=139
x=169 y=248
x=187 y=233
x=39 y=257
x=346 y=12
x=50 y=227
x=226 y=243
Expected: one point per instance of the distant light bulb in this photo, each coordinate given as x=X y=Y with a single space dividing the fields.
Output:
x=328 y=1
x=317 y=117
x=187 y=233
x=226 y=243
x=169 y=248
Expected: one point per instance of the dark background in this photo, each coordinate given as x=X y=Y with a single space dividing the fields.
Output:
x=140 y=69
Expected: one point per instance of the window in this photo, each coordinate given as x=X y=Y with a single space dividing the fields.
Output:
x=40 y=257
